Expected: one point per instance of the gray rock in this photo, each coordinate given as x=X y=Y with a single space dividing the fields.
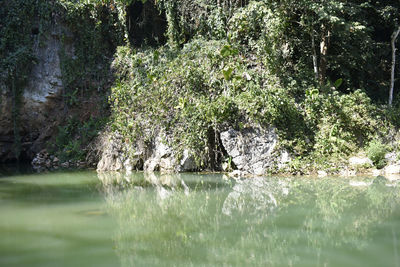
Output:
x=65 y=165
x=253 y=149
x=225 y=166
x=284 y=159
x=48 y=163
x=391 y=157
x=187 y=162
x=127 y=165
x=358 y=161
x=392 y=169
x=163 y=158
x=117 y=156
x=160 y=151
x=159 y=156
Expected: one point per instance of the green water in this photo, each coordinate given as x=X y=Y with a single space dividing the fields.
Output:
x=77 y=219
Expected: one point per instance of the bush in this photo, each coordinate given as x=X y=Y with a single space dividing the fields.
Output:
x=341 y=122
x=376 y=152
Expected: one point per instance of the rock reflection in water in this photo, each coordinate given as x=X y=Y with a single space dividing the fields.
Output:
x=257 y=222
x=257 y=196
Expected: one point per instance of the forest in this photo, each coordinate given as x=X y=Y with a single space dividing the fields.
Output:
x=325 y=74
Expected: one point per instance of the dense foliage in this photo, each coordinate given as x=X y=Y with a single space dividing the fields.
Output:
x=228 y=64
x=318 y=71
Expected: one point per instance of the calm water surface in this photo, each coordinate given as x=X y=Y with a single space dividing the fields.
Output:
x=86 y=219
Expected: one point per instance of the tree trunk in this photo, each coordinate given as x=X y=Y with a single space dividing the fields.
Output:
x=314 y=56
x=393 y=43
x=323 y=59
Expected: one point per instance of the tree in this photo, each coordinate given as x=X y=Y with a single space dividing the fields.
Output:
x=393 y=45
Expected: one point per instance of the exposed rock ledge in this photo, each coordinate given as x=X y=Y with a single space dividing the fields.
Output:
x=253 y=150
x=159 y=156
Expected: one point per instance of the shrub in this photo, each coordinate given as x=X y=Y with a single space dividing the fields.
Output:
x=376 y=152
x=341 y=122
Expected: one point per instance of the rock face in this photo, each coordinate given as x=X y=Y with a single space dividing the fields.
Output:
x=116 y=156
x=158 y=156
x=163 y=158
x=393 y=164
x=253 y=150
x=40 y=101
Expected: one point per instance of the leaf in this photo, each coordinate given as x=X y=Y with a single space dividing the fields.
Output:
x=338 y=83
x=227 y=51
x=227 y=73
x=156 y=55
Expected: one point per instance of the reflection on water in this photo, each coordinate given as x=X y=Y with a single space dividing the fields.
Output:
x=185 y=221
x=89 y=219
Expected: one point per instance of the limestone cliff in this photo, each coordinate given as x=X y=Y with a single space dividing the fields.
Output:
x=41 y=104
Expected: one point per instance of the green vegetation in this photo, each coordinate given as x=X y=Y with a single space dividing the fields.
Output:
x=74 y=137
x=317 y=71
x=376 y=152
x=258 y=62
x=93 y=33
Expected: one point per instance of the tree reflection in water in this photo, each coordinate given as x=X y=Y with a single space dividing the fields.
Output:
x=189 y=220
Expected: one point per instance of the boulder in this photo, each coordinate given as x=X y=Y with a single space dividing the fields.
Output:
x=160 y=151
x=164 y=159
x=187 y=163
x=392 y=158
x=253 y=150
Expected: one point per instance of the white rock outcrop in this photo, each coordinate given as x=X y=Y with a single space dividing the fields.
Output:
x=253 y=150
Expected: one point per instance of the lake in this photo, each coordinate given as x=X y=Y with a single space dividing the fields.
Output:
x=82 y=218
